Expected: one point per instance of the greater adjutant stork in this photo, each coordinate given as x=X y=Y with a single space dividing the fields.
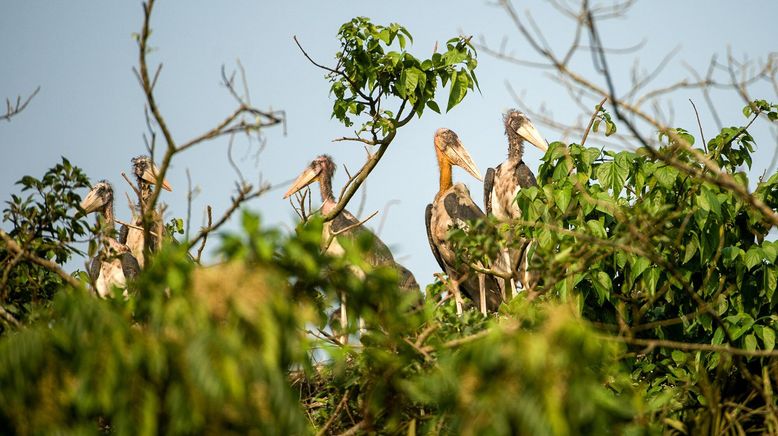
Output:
x=503 y=184
x=452 y=207
x=114 y=263
x=146 y=176
x=346 y=225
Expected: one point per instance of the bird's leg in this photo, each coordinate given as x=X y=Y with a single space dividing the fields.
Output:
x=343 y=320
x=508 y=283
x=482 y=290
x=454 y=288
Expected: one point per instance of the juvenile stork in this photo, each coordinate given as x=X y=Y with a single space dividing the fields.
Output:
x=452 y=207
x=503 y=184
x=114 y=263
x=346 y=225
x=146 y=177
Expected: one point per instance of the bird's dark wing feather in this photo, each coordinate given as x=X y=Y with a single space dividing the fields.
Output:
x=524 y=176
x=433 y=247
x=123 y=232
x=94 y=268
x=488 y=185
x=379 y=253
x=463 y=210
x=130 y=265
x=342 y=221
x=407 y=280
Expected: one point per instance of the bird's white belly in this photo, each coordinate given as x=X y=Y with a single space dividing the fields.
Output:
x=506 y=208
x=111 y=275
x=135 y=244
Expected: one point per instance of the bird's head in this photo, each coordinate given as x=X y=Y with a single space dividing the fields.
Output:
x=322 y=167
x=98 y=198
x=146 y=171
x=519 y=128
x=450 y=147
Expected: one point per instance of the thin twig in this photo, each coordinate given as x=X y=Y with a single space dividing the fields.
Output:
x=205 y=237
x=597 y=110
x=335 y=414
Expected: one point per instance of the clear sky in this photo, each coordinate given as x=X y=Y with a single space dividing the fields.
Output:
x=90 y=107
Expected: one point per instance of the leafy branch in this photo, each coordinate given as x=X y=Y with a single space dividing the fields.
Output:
x=374 y=71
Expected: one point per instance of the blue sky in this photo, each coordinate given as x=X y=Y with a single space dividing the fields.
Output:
x=90 y=107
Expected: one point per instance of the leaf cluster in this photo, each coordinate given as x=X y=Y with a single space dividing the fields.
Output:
x=373 y=66
x=46 y=223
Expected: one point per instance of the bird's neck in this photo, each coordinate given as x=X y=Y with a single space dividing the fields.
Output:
x=108 y=216
x=327 y=198
x=145 y=193
x=515 y=148
x=445 y=172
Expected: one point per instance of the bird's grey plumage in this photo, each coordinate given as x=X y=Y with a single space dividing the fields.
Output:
x=454 y=208
x=145 y=175
x=503 y=185
x=113 y=264
x=346 y=225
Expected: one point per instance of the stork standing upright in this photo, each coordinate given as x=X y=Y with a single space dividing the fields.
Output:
x=503 y=184
x=146 y=176
x=346 y=225
x=452 y=207
x=114 y=263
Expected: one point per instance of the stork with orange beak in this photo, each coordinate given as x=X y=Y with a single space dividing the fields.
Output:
x=146 y=176
x=453 y=207
x=346 y=225
x=503 y=184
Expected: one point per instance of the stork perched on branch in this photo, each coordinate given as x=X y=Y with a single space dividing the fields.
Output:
x=146 y=176
x=114 y=263
x=346 y=225
x=452 y=207
x=503 y=184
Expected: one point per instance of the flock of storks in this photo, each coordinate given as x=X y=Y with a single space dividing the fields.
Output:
x=452 y=206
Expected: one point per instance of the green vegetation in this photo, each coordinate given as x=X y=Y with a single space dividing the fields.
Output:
x=656 y=309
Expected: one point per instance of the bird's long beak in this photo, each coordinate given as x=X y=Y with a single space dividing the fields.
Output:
x=150 y=175
x=458 y=155
x=304 y=179
x=531 y=134
x=92 y=202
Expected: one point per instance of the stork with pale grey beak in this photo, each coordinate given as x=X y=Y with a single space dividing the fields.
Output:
x=346 y=225
x=146 y=177
x=503 y=184
x=114 y=263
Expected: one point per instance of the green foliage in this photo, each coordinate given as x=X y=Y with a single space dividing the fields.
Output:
x=46 y=223
x=634 y=241
x=374 y=66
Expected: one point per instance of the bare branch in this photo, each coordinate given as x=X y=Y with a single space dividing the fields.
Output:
x=51 y=266
x=12 y=110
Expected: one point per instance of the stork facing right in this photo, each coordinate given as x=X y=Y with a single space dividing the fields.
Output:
x=503 y=184
x=146 y=176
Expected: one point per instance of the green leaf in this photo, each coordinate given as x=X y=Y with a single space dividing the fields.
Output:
x=602 y=285
x=639 y=265
x=434 y=106
x=458 y=90
x=562 y=197
x=679 y=357
x=768 y=338
x=753 y=257
x=613 y=176
x=596 y=229
x=750 y=342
